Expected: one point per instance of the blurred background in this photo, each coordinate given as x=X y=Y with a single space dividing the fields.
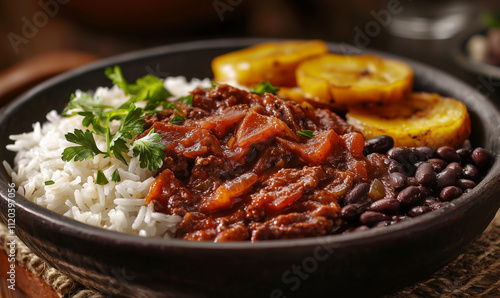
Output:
x=424 y=30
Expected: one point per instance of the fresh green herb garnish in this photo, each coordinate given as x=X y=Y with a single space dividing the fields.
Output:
x=98 y=117
x=169 y=105
x=116 y=176
x=151 y=151
x=132 y=125
x=187 y=100
x=306 y=133
x=264 y=87
x=49 y=182
x=214 y=84
x=85 y=102
x=178 y=119
x=87 y=149
x=116 y=76
x=101 y=179
x=148 y=88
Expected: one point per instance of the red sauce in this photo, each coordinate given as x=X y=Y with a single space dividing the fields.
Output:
x=237 y=169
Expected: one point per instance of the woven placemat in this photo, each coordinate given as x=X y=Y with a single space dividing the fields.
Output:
x=475 y=273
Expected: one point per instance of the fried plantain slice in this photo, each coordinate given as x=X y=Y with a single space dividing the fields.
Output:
x=421 y=119
x=271 y=61
x=350 y=80
x=297 y=94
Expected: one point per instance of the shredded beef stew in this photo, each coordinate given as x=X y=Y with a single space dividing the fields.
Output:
x=238 y=168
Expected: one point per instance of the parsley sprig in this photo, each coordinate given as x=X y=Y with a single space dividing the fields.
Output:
x=264 y=87
x=148 y=148
x=306 y=133
x=187 y=100
x=98 y=117
x=148 y=88
x=87 y=149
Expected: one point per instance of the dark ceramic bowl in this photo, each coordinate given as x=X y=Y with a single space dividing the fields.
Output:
x=371 y=262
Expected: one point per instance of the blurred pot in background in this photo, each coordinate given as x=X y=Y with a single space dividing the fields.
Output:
x=432 y=19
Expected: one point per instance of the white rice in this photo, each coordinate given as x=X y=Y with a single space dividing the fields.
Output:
x=118 y=206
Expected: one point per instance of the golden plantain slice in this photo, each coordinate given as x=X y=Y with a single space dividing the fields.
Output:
x=297 y=94
x=421 y=119
x=350 y=80
x=272 y=61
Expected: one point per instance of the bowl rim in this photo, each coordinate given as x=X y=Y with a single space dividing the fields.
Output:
x=403 y=229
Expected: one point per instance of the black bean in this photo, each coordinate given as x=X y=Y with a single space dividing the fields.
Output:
x=449 y=193
x=409 y=170
x=383 y=223
x=424 y=179
x=429 y=200
x=464 y=154
x=466 y=184
x=398 y=153
x=449 y=154
x=398 y=180
x=418 y=165
x=427 y=152
x=449 y=175
x=370 y=218
x=387 y=206
x=357 y=195
x=471 y=172
x=455 y=168
x=415 y=156
x=395 y=167
x=438 y=164
x=351 y=212
x=425 y=174
x=409 y=195
x=405 y=157
x=445 y=178
x=399 y=218
x=412 y=181
x=361 y=228
x=419 y=210
x=406 y=168
x=437 y=205
x=481 y=157
x=426 y=192
x=378 y=144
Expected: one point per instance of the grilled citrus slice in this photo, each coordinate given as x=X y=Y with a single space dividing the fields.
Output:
x=421 y=119
x=271 y=61
x=349 y=79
